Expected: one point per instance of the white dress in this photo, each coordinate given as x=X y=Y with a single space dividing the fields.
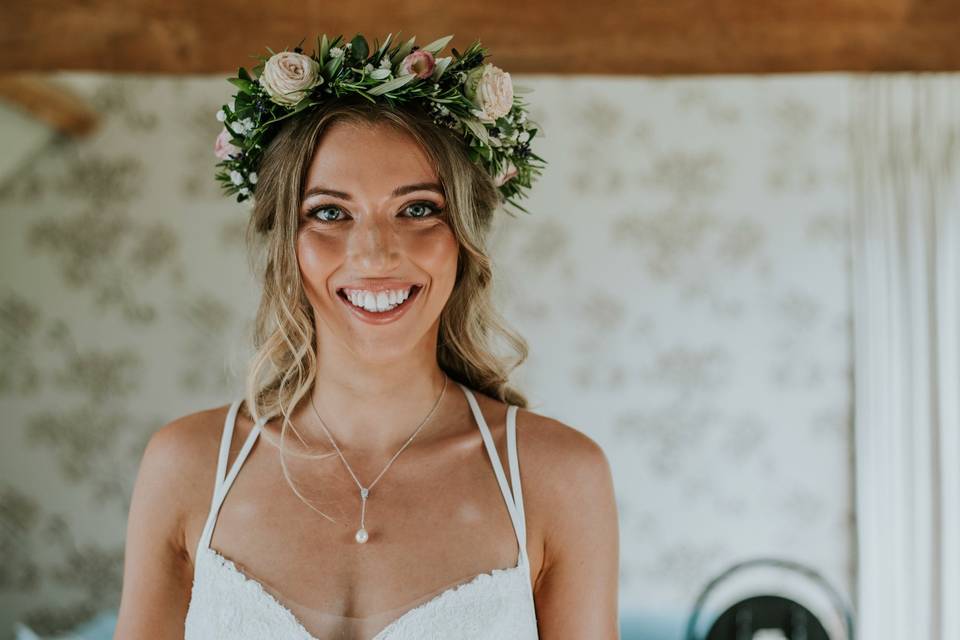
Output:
x=225 y=603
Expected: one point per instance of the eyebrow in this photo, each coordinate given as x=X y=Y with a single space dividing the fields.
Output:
x=399 y=191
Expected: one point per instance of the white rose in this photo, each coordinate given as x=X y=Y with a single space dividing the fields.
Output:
x=289 y=76
x=491 y=90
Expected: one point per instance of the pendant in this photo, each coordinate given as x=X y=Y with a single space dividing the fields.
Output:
x=362 y=535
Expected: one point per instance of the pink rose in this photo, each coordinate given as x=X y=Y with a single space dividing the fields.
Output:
x=223 y=148
x=419 y=62
x=506 y=174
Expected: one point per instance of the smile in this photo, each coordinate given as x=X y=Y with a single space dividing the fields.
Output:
x=379 y=307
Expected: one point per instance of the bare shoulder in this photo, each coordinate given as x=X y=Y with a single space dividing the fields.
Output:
x=568 y=482
x=181 y=456
x=174 y=478
x=560 y=455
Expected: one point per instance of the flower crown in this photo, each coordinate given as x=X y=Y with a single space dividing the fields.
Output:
x=461 y=92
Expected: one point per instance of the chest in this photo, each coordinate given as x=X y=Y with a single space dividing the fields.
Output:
x=425 y=537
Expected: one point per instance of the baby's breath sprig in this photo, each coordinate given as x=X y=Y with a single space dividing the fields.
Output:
x=461 y=92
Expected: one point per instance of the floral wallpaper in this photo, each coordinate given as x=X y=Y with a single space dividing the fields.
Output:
x=682 y=280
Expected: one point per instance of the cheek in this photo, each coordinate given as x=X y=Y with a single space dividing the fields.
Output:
x=317 y=255
x=437 y=253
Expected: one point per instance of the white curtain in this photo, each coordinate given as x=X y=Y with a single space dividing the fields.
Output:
x=905 y=135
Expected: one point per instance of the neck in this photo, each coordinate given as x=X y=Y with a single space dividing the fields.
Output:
x=374 y=406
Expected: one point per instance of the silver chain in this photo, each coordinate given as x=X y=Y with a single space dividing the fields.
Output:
x=365 y=491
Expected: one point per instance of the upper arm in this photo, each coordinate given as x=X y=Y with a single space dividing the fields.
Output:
x=157 y=573
x=576 y=592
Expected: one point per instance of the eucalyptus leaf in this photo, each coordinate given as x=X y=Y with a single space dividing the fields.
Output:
x=383 y=47
x=437 y=45
x=442 y=64
x=403 y=50
x=396 y=83
x=331 y=67
x=478 y=129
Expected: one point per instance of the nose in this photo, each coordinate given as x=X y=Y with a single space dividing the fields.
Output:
x=374 y=246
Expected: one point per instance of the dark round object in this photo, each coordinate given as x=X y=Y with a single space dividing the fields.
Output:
x=746 y=617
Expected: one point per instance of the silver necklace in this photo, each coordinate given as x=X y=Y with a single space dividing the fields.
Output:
x=362 y=535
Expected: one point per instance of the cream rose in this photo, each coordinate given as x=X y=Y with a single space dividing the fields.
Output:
x=289 y=76
x=491 y=90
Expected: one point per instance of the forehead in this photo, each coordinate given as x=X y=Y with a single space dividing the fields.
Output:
x=368 y=159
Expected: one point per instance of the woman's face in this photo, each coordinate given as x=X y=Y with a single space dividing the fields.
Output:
x=376 y=255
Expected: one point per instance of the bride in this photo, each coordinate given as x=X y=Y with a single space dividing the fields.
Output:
x=379 y=477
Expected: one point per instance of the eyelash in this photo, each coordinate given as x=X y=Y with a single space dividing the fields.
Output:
x=435 y=211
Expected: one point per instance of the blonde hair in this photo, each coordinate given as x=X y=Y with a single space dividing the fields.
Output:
x=283 y=367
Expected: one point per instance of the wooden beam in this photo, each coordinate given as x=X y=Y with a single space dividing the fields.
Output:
x=609 y=37
x=59 y=108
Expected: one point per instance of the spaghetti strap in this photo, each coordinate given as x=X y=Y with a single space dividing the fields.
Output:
x=224 y=480
x=515 y=472
x=514 y=508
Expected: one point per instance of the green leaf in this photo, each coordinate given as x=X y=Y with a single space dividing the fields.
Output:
x=383 y=47
x=244 y=85
x=437 y=45
x=404 y=49
x=324 y=48
x=359 y=49
x=442 y=64
x=396 y=83
x=331 y=67
x=242 y=74
x=478 y=129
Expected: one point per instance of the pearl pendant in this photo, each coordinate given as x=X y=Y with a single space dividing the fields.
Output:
x=362 y=535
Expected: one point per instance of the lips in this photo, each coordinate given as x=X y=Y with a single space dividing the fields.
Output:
x=381 y=317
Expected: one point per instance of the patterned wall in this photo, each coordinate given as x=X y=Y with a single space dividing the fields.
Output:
x=682 y=281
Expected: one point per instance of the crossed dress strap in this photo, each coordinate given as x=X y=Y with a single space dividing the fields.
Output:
x=224 y=480
x=514 y=498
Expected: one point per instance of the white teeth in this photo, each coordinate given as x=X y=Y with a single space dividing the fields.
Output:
x=379 y=301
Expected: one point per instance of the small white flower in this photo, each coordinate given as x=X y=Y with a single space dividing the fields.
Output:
x=522 y=118
x=253 y=177
x=515 y=134
x=244 y=191
x=368 y=68
x=523 y=137
x=236 y=177
x=336 y=52
x=385 y=62
x=221 y=115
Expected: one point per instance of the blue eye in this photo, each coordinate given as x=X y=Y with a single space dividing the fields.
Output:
x=431 y=209
x=427 y=209
x=315 y=213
